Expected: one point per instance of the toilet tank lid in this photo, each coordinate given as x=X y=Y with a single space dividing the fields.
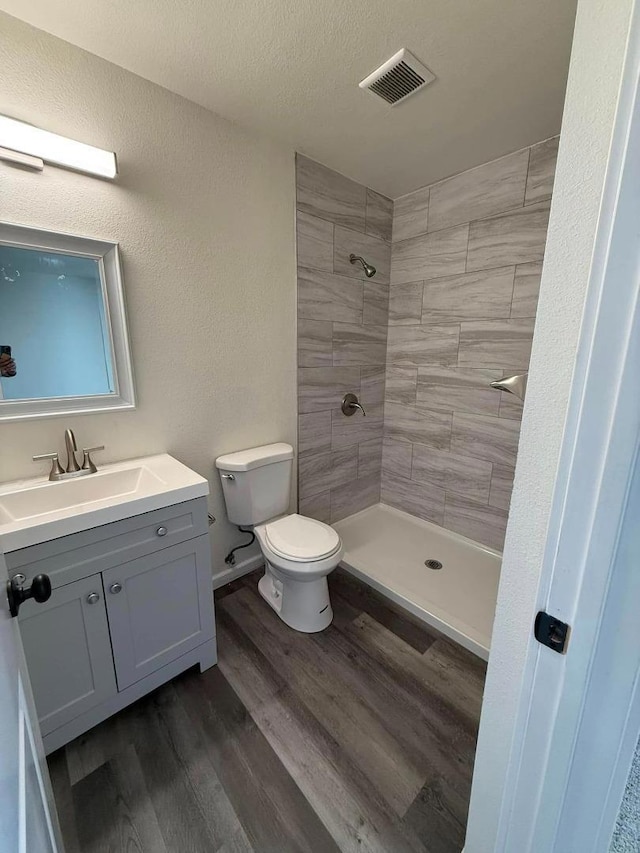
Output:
x=255 y=457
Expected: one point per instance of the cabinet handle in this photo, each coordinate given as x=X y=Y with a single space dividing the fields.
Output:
x=161 y=531
x=93 y=598
x=115 y=588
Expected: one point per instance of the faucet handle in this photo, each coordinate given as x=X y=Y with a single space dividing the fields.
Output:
x=350 y=404
x=56 y=467
x=87 y=461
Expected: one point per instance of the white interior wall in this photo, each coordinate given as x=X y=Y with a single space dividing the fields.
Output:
x=204 y=213
x=594 y=79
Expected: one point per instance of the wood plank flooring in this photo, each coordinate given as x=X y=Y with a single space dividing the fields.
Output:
x=360 y=738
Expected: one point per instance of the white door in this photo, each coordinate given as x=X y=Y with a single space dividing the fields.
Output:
x=558 y=732
x=28 y=820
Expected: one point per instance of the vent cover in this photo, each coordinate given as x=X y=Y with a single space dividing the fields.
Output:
x=399 y=77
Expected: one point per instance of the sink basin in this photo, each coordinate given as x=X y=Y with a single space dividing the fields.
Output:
x=33 y=511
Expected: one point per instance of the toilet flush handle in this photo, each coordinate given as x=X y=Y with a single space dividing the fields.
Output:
x=228 y=477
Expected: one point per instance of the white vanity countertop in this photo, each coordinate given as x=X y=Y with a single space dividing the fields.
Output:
x=37 y=510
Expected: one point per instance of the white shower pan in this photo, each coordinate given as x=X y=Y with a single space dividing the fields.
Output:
x=388 y=549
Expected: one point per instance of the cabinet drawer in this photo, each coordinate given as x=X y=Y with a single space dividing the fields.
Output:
x=159 y=607
x=68 y=652
x=71 y=558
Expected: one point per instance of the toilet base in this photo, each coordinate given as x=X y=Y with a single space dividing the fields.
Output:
x=303 y=605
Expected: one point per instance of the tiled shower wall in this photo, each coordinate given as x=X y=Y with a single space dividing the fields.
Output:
x=465 y=272
x=342 y=339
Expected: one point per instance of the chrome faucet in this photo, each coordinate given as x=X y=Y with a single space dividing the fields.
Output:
x=70 y=442
x=73 y=469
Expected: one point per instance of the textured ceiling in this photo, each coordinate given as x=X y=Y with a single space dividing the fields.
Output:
x=290 y=69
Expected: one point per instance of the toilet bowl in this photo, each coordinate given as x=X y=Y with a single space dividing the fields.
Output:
x=299 y=552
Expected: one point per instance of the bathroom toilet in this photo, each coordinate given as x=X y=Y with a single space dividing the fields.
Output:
x=299 y=552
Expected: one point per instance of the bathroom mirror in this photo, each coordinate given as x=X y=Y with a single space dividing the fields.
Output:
x=64 y=347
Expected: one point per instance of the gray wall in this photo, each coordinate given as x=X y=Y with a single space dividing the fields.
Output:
x=203 y=212
x=465 y=272
x=342 y=339
x=451 y=308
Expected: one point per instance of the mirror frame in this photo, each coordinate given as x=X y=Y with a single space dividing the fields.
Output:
x=108 y=257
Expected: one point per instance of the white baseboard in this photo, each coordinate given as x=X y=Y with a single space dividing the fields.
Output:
x=237 y=571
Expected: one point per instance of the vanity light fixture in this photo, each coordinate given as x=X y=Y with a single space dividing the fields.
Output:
x=30 y=146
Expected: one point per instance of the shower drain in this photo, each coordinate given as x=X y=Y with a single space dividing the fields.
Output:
x=433 y=564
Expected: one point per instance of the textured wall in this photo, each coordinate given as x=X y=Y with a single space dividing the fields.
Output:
x=601 y=37
x=465 y=270
x=204 y=215
x=342 y=339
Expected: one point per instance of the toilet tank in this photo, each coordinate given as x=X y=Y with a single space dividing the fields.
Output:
x=256 y=482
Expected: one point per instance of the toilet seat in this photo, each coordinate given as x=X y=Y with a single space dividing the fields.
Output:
x=300 y=539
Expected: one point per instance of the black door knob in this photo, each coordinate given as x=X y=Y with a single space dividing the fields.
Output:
x=40 y=591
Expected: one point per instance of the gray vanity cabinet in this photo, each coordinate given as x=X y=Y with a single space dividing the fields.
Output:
x=131 y=607
x=159 y=608
x=68 y=651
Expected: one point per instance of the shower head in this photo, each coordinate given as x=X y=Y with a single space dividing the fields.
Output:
x=369 y=270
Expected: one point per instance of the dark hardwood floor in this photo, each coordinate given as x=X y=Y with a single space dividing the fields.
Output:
x=359 y=738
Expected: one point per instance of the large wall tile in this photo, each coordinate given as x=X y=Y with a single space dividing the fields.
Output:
x=317 y=506
x=352 y=430
x=320 y=472
x=315 y=242
x=355 y=496
x=491 y=439
x=314 y=433
x=408 y=423
x=370 y=457
x=321 y=388
x=416 y=345
x=460 y=474
x=472 y=295
x=325 y=296
x=542 y=169
x=315 y=343
x=396 y=458
x=379 y=215
x=372 y=385
x=492 y=343
x=430 y=255
x=405 y=304
x=457 y=389
x=472 y=246
x=491 y=188
x=514 y=238
x=342 y=330
x=526 y=287
x=329 y=195
x=482 y=523
x=410 y=214
x=357 y=344
x=419 y=499
x=376 y=303
x=401 y=385
x=374 y=250
x=501 y=486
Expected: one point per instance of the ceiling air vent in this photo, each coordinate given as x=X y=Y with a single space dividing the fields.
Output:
x=399 y=77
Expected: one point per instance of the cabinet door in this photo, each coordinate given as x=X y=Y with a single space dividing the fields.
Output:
x=159 y=607
x=68 y=651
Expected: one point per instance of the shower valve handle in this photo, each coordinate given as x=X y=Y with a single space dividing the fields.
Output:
x=350 y=404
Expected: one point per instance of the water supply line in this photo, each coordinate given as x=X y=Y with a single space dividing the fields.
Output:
x=230 y=559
